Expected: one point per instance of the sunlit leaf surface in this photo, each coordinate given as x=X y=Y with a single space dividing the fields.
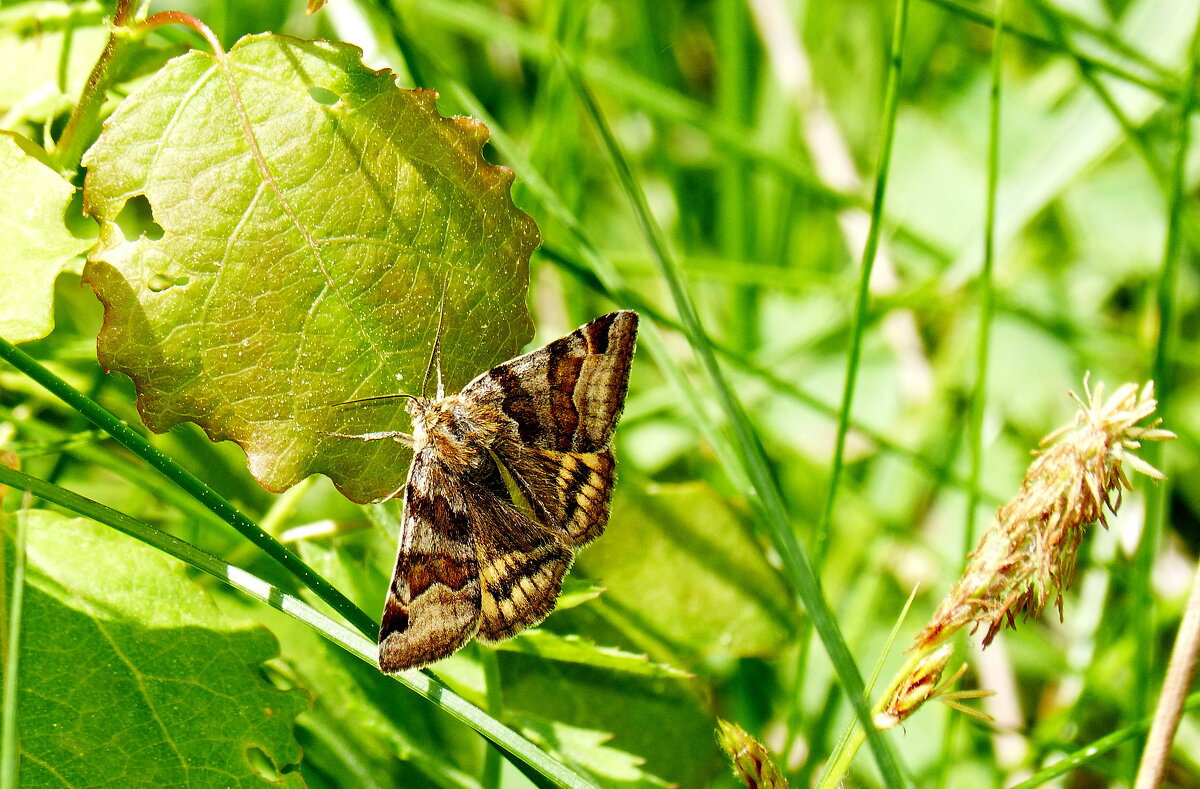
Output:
x=130 y=675
x=312 y=215
x=37 y=246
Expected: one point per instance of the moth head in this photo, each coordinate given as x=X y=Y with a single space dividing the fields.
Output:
x=435 y=412
x=442 y=422
x=418 y=407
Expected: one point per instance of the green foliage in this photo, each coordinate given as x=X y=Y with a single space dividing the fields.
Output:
x=125 y=666
x=55 y=45
x=659 y=540
x=33 y=204
x=264 y=304
x=280 y=226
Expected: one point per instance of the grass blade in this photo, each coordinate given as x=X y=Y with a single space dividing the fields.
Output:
x=134 y=442
x=420 y=682
x=747 y=451
x=9 y=734
x=1141 y=601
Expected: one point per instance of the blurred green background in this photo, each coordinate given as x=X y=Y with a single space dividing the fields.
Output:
x=754 y=129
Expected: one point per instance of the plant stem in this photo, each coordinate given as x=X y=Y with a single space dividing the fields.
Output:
x=891 y=104
x=421 y=682
x=735 y=199
x=1174 y=692
x=844 y=752
x=843 y=755
x=749 y=455
x=12 y=656
x=494 y=706
x=986 y=291
x=987 y=300
x=1157 y=502
x=134 y=442
x=84 y=125
x=1167 y=91
x=163 y=18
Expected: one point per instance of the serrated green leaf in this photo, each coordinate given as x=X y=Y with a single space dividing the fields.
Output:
x=577 y=649
x=130 y=676
x=659 y=720
x=591 y=750
x=33 y=203
x=312 y=216
x=700 y=585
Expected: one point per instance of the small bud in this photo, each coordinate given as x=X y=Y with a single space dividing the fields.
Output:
x=923 y=682
x=751 y=762
x=914 y=689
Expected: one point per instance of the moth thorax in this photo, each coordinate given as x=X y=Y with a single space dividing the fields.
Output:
x=441 y=424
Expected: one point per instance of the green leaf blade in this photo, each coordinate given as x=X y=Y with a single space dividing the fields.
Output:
x=126 y=666
x=38 y=246
x=654 y=539
x=313 y=215
x=577 y=649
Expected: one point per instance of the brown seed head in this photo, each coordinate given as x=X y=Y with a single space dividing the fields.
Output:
x=1028 y=554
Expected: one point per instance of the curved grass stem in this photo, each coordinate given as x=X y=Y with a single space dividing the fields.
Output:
x=421 y=682
x=135 y=443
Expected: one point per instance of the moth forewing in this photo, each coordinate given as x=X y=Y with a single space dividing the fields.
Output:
x=434 y=600
x=509 y=476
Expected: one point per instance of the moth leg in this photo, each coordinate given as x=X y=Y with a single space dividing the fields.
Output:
x=395 y=435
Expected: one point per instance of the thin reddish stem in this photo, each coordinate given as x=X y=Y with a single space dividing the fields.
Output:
x=163 y=18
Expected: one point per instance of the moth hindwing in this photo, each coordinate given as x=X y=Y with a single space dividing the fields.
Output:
x=509 y=478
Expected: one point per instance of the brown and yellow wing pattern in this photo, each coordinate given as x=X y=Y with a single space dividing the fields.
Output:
x=475 y=559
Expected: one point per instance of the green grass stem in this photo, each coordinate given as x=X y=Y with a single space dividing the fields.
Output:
x=89 y=448
x=1159 y=84
x=421 y=682
x=748 y=449
x=15 y=593
x=985 y=290
x=135 y=443
x=1096 y=749
x=891 y=104
x=935 y=469
x=494 y=706
x=857 y=332
x=735 y=198
x=1141 y=600
x=985 y=285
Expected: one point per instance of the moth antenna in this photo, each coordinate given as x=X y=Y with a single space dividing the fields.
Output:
x=373 y=399
x=435 y=356
x=441 y=390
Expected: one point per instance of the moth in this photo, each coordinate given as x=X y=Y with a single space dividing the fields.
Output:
x=509 y=478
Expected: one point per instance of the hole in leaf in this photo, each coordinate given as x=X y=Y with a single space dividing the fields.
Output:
x=324 y=96
x=262 y=764
x=76 y=223
x=160 y=282
x=137 y=219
